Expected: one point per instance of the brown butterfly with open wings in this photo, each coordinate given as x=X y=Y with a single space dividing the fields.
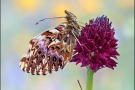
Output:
x=52 y=49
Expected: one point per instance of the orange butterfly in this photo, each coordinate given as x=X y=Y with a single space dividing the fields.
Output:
x=52 y=49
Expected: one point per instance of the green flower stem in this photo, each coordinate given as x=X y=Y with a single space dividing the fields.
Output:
x=89 y=82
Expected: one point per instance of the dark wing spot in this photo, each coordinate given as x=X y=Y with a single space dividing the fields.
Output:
x=23 y=59
x=52 y=48
x=28 y=59
x=48 y=58
x=29 y=51
x=43 y=74
x=59 y=36
x=54 y=58
x=65 y=40
x=60 y=62
x=59 y=28
x=37 y=47
x=49 y=39
x=57 y=47
x=67 y=51
x=41 y=61
x=47 y=33
x=43 y=56
x=62 y=51
x=32 y=42
x=39 y=52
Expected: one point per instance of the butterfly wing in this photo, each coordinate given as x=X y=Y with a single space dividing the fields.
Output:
x=49 y=51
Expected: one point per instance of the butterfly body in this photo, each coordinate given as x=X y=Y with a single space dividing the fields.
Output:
x=52 y=49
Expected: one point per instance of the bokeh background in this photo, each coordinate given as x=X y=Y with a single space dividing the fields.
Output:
x=18 y=27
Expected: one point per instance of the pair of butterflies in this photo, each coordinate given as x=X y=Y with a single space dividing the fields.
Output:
x=52 y=49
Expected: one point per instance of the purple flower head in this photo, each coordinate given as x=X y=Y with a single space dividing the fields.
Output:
x=98 y=45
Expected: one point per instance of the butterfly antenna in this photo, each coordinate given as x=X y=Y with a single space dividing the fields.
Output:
x=80 y=22
x=48 y=18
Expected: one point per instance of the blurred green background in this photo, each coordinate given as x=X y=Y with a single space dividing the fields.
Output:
x=18 y=27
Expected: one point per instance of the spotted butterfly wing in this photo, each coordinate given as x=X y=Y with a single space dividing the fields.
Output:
x=52 y=49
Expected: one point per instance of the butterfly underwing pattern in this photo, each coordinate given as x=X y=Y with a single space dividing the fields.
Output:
x=52 y=49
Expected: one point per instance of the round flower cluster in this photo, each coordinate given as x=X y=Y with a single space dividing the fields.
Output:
x=97 y=47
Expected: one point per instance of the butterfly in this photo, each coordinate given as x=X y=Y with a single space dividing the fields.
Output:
x=52 y=49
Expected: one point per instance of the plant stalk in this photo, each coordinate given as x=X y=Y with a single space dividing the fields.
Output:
x=89 y=81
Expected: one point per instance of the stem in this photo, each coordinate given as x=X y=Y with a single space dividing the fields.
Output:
x=89 y=82
x=79 y=84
